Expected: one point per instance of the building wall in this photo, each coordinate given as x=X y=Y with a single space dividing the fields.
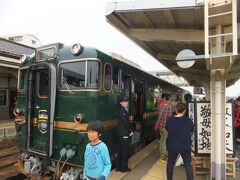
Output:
x=8 y=89
x=30 y=41
x=25 y=39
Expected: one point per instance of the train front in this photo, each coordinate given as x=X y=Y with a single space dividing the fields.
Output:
x=50 y=132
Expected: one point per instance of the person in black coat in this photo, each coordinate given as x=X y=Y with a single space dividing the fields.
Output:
x=123 y=133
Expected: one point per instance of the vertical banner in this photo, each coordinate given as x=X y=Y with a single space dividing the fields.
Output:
x=229 y=129
x=203 y=128
x=203 y=132
x=191 y=116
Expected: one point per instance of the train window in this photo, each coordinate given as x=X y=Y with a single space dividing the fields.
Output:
x=117 y=80
x=75 y=76
x=23 y=79
x=108 y=77
x=43 y=83
x=126 y=82
x=93 y=74
x=46 y=54
x=150 y=98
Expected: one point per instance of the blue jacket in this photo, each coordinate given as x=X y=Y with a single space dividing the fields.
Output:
x=96 y=161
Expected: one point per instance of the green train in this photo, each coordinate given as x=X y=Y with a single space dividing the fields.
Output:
x=61 y=88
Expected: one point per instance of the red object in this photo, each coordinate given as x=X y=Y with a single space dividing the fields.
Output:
x=237 y=117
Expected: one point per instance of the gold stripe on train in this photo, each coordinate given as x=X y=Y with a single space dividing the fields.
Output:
x=71 y=125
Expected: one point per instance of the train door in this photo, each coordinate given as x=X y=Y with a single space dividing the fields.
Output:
x=126 y=87
x=12 y=102
x=41 y=92
x=138 y=100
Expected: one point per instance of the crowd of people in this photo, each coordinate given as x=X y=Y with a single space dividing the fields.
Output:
x=175 y=129
x=237 y=129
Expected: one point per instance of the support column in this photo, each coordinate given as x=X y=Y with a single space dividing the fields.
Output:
x=218 y=155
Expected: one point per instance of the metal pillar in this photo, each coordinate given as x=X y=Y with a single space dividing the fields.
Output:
x=218 y=155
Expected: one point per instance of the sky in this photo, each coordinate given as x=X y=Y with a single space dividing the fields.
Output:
x=69 y=22
x=73 y=21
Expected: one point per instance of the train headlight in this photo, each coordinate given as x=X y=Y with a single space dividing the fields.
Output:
x=78 y=118
x=76 y=49
x=23 y=58
x=16 y=111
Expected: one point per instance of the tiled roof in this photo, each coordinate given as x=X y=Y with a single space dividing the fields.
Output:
x=15 y=49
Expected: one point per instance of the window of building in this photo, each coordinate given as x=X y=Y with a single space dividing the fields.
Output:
x=11 y=38
x=3 y=97
x=33 y=42
x=108 y=77
x=18 y=38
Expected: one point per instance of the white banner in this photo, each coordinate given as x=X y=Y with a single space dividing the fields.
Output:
x=191 y=116
x=203 y=122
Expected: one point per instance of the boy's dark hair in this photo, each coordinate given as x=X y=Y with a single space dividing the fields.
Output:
x=95 y=126
x=180 y=107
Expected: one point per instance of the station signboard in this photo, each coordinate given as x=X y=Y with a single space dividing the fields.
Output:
x=200 y=113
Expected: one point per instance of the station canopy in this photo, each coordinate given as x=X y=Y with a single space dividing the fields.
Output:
x=165 y=27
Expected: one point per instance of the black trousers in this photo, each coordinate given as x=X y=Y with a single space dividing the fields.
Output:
x=187 y=160
x=237 y=132
x=122 y=153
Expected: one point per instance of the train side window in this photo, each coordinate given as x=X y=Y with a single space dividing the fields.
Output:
x=117 y=77
x=73 y=75
x=79 y=75
x=150 y=98
x=43 y=83
x=93 y=74
x=108 y=77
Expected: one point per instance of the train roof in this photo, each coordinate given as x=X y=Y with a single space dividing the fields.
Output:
x=64 y=53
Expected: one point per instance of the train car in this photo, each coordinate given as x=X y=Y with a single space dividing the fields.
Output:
x=61 y=88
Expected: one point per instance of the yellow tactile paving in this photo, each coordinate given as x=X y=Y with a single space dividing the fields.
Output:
x=158 y=171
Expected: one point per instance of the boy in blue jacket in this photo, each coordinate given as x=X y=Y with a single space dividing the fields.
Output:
x=97 y=164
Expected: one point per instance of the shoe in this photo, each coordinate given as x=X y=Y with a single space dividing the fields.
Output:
x=163 y=160
x=126 y=170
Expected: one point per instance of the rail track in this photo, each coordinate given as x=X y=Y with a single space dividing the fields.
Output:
x=8 y=158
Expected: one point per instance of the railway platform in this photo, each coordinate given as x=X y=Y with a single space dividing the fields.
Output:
x=7 y=128
x=145 y=165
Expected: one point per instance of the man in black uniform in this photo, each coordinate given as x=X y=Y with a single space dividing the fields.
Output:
x=124 y=133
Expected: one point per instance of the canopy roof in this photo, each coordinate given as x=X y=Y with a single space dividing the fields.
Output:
x=164 y=28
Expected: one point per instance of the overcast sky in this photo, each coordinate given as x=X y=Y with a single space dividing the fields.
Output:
x=68 y=22
x=71 y=21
